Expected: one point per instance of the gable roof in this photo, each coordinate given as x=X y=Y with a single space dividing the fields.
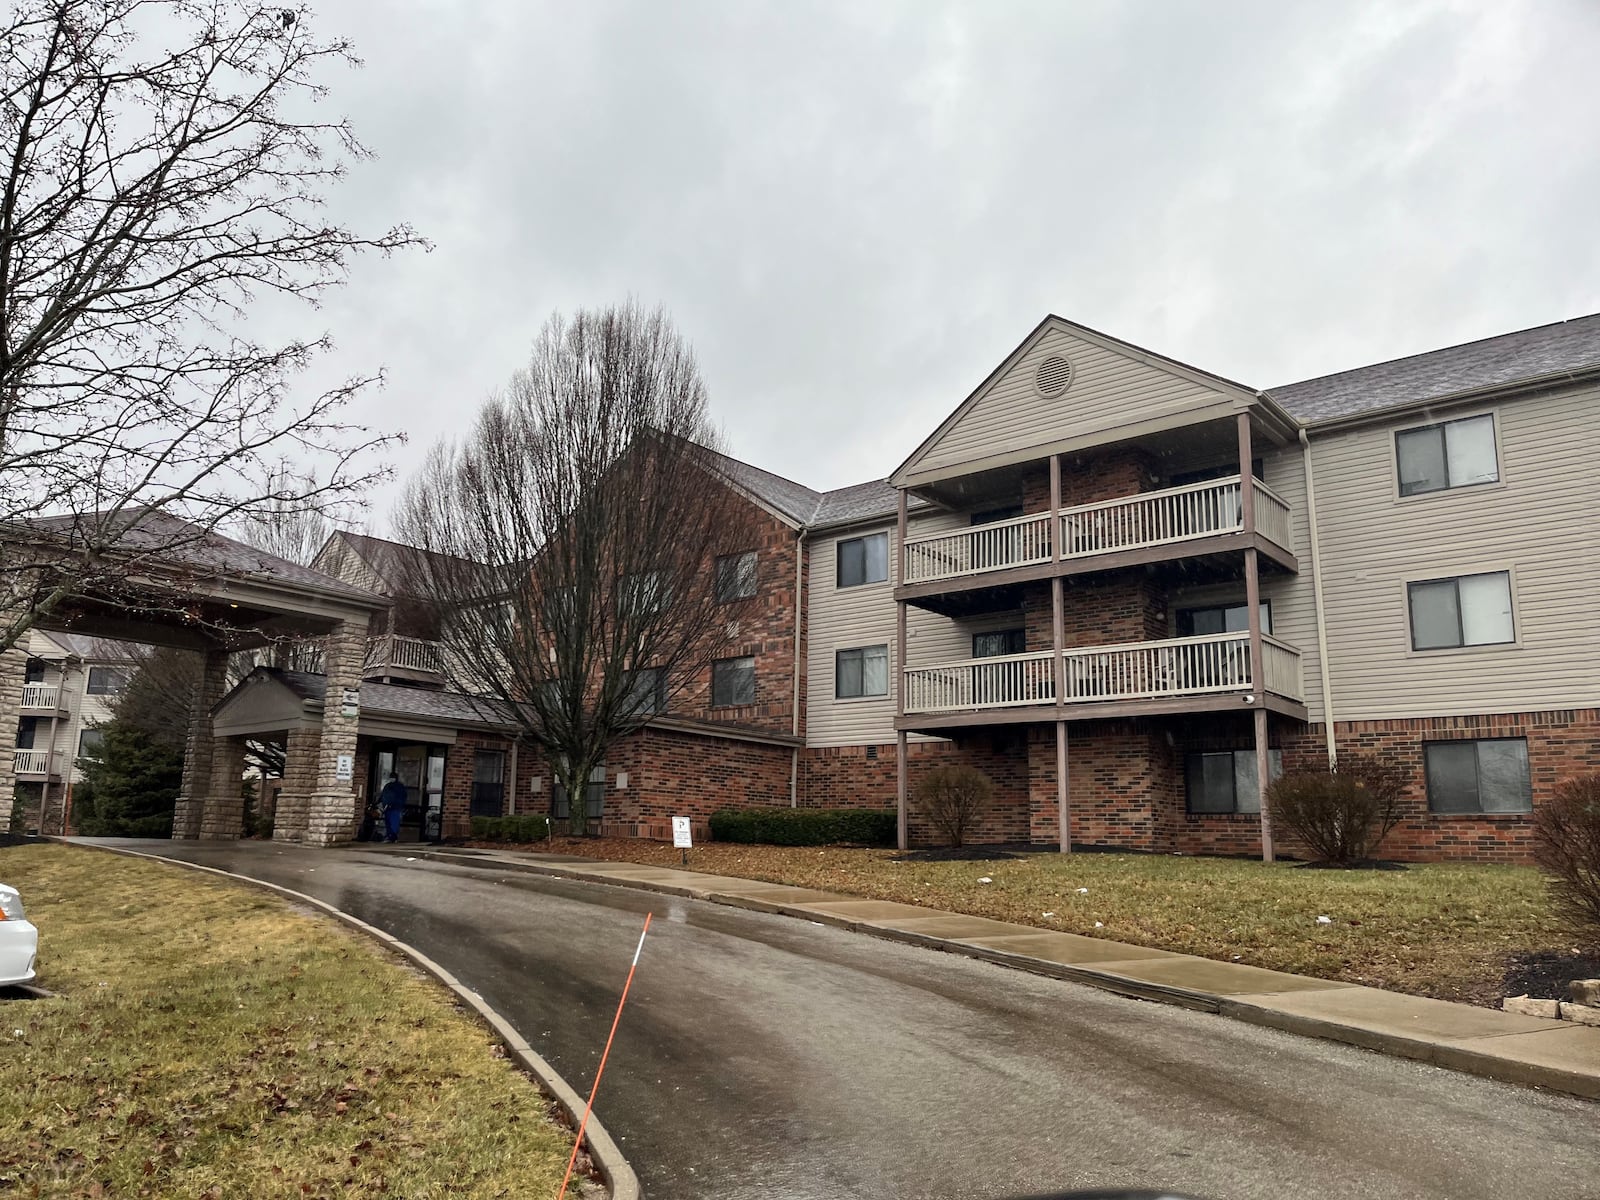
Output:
x=389 y=558
x=1179 y=384
x=1565 y=348
x=807 y=507
x=388 y=699
x=95 y=649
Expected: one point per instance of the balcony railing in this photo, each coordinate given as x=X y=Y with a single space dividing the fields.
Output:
x=33 y=762
x=1169 y=516
x=390 y=652
x=1192 y=666
x=40 y=695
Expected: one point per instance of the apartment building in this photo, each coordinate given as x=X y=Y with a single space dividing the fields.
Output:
x=68 y=683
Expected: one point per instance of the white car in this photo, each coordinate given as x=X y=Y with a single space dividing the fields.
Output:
x=19 y=940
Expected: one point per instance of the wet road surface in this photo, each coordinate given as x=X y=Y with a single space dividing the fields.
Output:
x=762 y=1056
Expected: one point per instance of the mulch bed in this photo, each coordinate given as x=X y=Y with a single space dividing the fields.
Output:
x=1545 y=974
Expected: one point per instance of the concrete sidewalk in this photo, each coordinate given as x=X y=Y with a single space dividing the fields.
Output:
x=1559 y=1055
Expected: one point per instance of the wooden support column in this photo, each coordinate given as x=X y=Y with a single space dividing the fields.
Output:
x=1263 y=777
x=1055 y=507
x=1063 y=808
x=898 y=669
x=1252 y=600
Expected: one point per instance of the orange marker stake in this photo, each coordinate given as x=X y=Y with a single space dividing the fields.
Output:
x=589 y=1107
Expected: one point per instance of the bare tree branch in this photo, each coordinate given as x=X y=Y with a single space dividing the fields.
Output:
x=166 y=168
x=571 y=538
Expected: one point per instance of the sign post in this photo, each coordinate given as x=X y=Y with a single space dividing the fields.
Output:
x=681 y=837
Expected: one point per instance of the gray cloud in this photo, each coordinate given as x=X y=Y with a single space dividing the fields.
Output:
x=856 y=210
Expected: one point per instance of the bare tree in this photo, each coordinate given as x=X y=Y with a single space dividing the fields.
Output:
x=165 y=167
x=572 y=538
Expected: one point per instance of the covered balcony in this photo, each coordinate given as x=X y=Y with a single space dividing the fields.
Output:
x=1174 y=675
x=1111 y=533
x=36 y=764
x=40 y=698
x=393 y=658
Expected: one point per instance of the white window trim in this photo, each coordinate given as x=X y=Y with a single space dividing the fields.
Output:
x=889 y=571
x=877 y=698
x=1460 y=489
x=1456 y=573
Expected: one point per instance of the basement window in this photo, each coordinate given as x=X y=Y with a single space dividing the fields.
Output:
x=1225 y=781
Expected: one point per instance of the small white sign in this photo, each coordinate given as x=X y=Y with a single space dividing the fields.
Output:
x=345 y=767
x=350 y=702
x=680 y=834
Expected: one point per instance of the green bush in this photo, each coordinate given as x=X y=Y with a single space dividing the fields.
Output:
x=534 y=828
x=804 y=826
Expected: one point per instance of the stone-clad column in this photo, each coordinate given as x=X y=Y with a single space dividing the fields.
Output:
x=299 y=781
x=333 y=816
x=198 y=754
x=13 y=669
x=223 y=816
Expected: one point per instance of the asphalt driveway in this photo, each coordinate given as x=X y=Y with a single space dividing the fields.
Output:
x=762 y=1056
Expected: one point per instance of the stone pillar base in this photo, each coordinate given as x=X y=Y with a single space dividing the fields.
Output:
x=332 y=818
x=289 y=823
x=222 y=819
x=186 y=819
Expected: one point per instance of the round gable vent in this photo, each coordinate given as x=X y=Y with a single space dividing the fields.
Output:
x=1054 y=377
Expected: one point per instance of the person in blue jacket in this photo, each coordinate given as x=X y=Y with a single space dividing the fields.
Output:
x=392 y=800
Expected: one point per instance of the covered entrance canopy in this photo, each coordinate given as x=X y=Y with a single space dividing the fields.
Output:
x=203 y=592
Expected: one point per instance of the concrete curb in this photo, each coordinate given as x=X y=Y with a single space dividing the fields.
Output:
x=621 y=1180
x=1440 y=1053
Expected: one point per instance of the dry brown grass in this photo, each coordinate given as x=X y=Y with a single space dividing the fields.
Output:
x=1441 y=930
x=209 y=1040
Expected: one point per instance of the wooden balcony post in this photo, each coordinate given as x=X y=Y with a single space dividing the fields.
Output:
x=902 y=833
x=1263 y=777
x=1247 y=476
x=1055 y=509
x=1063 y=807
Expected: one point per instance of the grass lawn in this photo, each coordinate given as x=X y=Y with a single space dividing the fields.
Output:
x=211 y=1040
x=1435 y=930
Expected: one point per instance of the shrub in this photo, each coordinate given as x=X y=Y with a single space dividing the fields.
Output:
x=951 y=798
x=1566 y=843
x=531 y=828
x=1343 y=815
x=804 y=826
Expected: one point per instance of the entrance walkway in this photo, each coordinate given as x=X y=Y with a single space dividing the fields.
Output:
x=1559 y=1055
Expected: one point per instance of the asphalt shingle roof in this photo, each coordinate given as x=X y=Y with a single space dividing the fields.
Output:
x=806 y=506
x=1509 y=358
x=398 y=701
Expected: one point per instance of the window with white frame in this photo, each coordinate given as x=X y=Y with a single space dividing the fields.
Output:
x=1488 y=776
x=1467 y=610
x=863 y=671
x=1450 y=454
x=1225 y=781
x=733 y=682
x=863 y=560
x=106 y=681
x=736 y=576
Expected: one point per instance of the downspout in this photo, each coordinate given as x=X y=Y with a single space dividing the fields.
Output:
x=794 y=685
x=1324 y=667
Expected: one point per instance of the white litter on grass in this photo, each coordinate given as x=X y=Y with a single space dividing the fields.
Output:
x=1237 y=957
x=985 y=879
x=18 y=1033
x=1083 y=891
x=1099 y=925
x=1324 y=920
x=1047 y=914
x=410 y=859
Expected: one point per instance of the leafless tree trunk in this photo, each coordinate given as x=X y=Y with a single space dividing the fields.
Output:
x=165 y=164
x=572 y=535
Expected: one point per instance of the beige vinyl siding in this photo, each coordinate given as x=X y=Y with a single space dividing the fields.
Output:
x=1110 y=391
x=932 y=639
x=1538 y=523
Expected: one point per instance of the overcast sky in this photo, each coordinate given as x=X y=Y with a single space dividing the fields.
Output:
x=856 y=210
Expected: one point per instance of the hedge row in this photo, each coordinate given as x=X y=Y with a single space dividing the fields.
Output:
x=804 y=826
x=511 y=829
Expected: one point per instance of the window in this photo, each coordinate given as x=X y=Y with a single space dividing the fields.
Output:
x=998 y=642
x=863 y=560
x=861 y=672
x=1225 y=781
x=594 y=796
x=488 y=783
x=1221 y=618
x=90 y=741
x=647 y=692
x=736 y=576
x=34 y=671
x=733 y=681
x=1478 y=777
x=1451 y=454
x=642 y=594
x=1470 y=610
x=106 y=681
x=989 y=516
x=27 y=728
